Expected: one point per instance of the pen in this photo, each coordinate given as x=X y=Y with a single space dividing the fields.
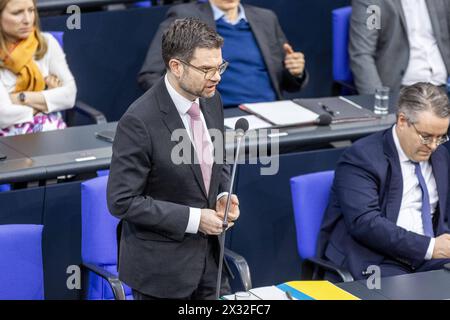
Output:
x=328 y=110
x=289 y=295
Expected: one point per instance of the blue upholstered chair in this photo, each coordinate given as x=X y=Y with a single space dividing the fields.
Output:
x=99 y=246
x=21 y=269
x=310 y=193
x=5 y=187
x=80 y=107
x=69 y=115
x=342 y=75
x=99 y=243
x=142 y=4
x=101 y=173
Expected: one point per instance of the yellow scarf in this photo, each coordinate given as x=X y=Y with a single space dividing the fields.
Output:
x=21 y=63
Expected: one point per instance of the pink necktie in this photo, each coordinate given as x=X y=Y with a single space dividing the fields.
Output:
x=201 y=143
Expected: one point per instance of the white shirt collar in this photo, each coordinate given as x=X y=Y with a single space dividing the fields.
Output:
x=181 y=103
x=401 y=154
x=219 y=14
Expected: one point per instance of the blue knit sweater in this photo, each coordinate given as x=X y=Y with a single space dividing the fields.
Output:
x=246 y=78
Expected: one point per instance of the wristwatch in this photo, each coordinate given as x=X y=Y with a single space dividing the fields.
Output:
x=22 y=97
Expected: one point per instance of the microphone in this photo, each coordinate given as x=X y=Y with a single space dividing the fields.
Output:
x=240 y=127
x=323 y=119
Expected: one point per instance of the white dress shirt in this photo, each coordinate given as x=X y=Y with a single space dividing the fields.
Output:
x=183 y=105
x=53 y=62
x=425 y=60
x=410 y=215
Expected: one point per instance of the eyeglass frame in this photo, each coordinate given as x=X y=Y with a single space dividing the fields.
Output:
x=222 y=66
x=425 y=141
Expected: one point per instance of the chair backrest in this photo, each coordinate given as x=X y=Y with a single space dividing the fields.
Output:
x=58 y=35
x=341 y=25
x=142 y=4
x=98 y=237
x=310 y=194
x=98 y=233
x=21 y=268
x=5 y=187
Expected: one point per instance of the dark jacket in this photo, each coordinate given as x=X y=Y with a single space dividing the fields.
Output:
x=265 y=26
x=359 y=227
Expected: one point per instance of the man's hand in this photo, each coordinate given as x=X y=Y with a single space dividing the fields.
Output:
x=442 y=247
x=210 y=222
x=293 y=61
x=234 y=212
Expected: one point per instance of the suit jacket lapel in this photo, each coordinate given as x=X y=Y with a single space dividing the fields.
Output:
x=207 y=14
x=440 y=172
x=434 y=18
x=399 y=8
x=258 y=27
x=438 y=11
x=172 y=119
x=394 y=193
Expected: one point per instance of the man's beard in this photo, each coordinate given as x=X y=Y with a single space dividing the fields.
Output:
x=196 y=93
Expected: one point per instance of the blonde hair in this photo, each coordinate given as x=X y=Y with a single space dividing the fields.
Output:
x=42 y=47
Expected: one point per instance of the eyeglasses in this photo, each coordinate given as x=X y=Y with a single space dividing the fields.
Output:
x=429 y=140
x=209 y=73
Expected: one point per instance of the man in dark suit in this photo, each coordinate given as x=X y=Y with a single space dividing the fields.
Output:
x=412 y=43
x=389 y=201
x=166 y=197
x=262 y=63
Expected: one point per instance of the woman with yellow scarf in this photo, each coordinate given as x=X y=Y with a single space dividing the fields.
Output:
x=35 y=80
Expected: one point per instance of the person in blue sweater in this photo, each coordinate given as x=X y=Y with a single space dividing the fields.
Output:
x=262 y=64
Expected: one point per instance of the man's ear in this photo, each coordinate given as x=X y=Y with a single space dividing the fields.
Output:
x=402 y=120
x=176 y=68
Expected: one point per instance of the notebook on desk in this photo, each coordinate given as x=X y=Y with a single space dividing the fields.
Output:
x=340 y=109
x=281 y=113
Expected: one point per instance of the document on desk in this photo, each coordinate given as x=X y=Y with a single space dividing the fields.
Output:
x=299 y=290
x=281 y=113
x=318 y=290
x=269 y=293
x=253 y=122
x=264 y=293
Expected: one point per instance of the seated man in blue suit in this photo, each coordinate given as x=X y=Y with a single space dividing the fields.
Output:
x=262 y=64
x=389 y=202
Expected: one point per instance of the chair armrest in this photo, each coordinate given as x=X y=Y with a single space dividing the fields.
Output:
x=90 y=112
x=242 y=267
x=113 y=280
x=344 y=274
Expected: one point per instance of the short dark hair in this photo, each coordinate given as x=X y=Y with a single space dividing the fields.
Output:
x=423 y=96
x=183 y=36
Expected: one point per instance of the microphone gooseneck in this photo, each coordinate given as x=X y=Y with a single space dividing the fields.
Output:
x=240 y=127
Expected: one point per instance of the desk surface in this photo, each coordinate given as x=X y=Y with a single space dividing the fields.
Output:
x=49 y=154
x=306 y=136
x=431 y=285
x=75 y=150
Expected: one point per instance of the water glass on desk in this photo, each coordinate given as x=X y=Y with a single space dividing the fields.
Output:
x=381 y=105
